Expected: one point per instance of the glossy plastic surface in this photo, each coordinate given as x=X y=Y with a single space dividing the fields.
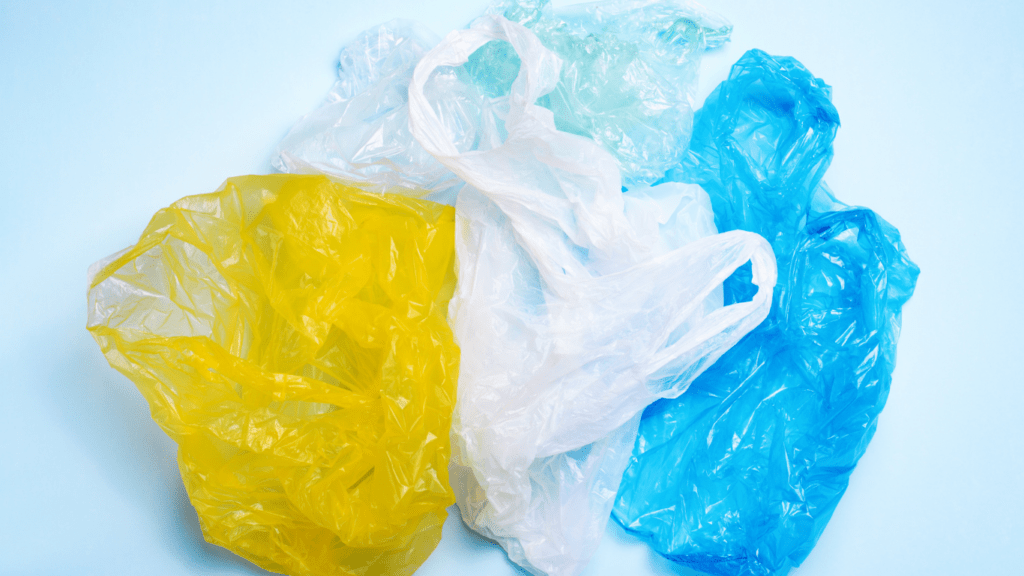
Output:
x=740 y=475
x=577 y=306
x=289 y=334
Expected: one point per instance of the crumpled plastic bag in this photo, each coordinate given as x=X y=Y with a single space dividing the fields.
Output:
x=576 y=307
x=289 y=334
x=627 y=81
x=740 y=475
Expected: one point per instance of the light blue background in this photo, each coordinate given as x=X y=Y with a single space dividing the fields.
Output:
x=110 y=112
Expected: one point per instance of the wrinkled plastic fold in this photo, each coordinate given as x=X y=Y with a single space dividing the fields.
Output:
x=740 y=475
x=576 y=307
x=289 y=334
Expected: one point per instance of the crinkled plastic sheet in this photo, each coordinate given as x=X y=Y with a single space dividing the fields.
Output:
x=289 y=334
x=740 y=475
x=576 y=307
x=628 y=80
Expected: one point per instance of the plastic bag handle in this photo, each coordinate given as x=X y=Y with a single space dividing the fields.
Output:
x=704 y=342
x=538 y=75
x=573 y=186
x=735 y=320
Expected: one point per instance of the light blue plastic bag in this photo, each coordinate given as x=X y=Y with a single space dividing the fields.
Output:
x=629 y=74
x=739 y=475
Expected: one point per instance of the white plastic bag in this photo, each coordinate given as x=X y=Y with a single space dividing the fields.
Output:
x=577 y=306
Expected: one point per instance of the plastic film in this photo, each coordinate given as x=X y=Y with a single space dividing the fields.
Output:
x=289 y=334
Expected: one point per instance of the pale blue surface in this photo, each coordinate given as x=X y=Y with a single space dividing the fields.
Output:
x=109 y=113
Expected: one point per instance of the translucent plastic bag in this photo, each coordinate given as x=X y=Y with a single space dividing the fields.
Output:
x=361 y=131
x=629 y=73
x=289 y=334
x=576 y=307
x=740 y=475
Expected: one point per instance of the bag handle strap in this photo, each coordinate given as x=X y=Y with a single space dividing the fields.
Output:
x=553 y=186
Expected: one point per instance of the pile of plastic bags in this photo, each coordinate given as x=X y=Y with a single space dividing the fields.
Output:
x=512 y=269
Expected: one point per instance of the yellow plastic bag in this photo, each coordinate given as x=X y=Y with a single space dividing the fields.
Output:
x=289 y=334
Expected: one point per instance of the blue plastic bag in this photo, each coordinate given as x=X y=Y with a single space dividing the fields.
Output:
x=739 y=475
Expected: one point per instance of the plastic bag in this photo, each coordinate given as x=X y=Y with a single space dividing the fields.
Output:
x=361 y=130
x=740 y=475
x=576 y=307
x=629 y=73
x=289 y=334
